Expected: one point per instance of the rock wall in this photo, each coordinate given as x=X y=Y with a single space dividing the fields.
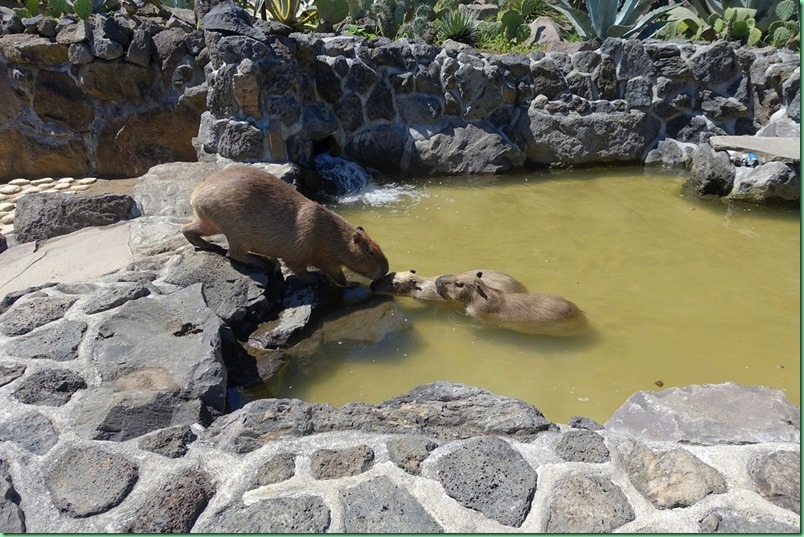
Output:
x=83 y=94
x=110 y=96
x=408 y=108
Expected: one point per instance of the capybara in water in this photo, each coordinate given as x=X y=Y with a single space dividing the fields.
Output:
x=533 y=313
x=410 y=284
x=261 y=214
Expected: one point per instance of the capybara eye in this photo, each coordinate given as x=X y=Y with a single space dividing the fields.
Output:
x=459 y=285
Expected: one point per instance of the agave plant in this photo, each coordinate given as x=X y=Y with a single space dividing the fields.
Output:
x=606 y=18
x=294 y=13
x=461 y=26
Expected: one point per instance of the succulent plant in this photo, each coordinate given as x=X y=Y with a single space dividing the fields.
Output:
x=606 y=19
x=461 y=26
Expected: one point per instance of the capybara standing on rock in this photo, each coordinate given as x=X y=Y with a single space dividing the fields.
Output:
x=261 y=214
x=533 y=313
x=410 y=284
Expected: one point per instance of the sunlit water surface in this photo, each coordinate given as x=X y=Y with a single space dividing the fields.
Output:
x=679 y=291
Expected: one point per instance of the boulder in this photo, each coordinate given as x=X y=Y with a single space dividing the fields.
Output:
x=49 y=214
x=671 y=154
x=767 y=184
x=465 y=150
x=440 y=410
x=712 y=173
x=709 y=414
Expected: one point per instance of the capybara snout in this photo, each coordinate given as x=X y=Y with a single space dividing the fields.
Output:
x=261 y=214
x=410 y=284
x=397 y=283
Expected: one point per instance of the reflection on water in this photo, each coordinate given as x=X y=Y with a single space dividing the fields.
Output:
x=679 y=291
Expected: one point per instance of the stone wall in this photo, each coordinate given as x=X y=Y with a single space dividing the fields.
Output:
x=84 y=94
x=408 y=108
x=111 y=96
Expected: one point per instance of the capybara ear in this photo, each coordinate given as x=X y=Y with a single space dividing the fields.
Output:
x=357 y=237
x=481 y=292
x=412 y=271
x=480 y=275
x=360 y=228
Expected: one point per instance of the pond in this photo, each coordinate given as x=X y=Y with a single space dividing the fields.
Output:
x=679 y=291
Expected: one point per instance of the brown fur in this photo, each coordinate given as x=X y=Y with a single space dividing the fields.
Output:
x=410 y=284
x=261 y=214
x=533 y=313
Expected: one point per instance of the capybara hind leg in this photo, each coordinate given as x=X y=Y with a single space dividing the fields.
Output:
x=238 y=253
x=197 y=229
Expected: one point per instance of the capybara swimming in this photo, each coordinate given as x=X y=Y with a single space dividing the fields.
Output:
x=261 y=214
x=533 y=313
x=410 y=284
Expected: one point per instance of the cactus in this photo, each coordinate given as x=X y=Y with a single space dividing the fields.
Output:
x=785 y=10
x=332 y=12
x=82 y=9
x=57 y=8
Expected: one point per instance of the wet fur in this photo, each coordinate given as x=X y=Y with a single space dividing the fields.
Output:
x=261 y=214
x=410 y=284
x=532 y=313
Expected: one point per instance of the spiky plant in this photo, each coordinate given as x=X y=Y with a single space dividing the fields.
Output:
x=461 y=26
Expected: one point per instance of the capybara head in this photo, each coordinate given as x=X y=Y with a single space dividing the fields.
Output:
x=367 y=259
x=461 y=288
x=397 y=283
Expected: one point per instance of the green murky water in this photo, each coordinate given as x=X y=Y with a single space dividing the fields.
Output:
x=679 y=291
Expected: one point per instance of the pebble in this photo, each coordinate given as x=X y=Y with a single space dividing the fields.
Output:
x=61 y=186
x=7 y=220
x=6 y=206
x=42 y=181
x=66 y=180
x=78 y=188
x=4 y=197
x=10 y=189
x=87 y=181
x=20 y=182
